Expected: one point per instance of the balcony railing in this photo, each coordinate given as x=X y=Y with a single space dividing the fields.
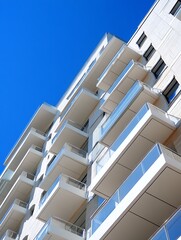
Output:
x=122 y=137
x=123 y=73
x=9 y=235
x=71 y=181
x=171 y=229
x=70 y=148
x=66 y=110
x=69 y=122
x=122 y=106
x=121 y=50
x=127 y=185
x=61 y=224
x=16 y=202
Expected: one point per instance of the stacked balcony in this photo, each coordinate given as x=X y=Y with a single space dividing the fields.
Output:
x=70 y=161
x=59 y=229
x=95 y=65
x=149 y=125
x=28 y=164
x=20 y=190
x=144 y=200
x=132 y=72
x=138 y=94
x=116 y=66
x=34 y=137
x=68 y=191
x=13 y=216
x=70 y=132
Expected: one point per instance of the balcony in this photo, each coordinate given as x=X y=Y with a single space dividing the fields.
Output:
x=70 y=161
x=20 y=190
x=149 y=125
x=122 y=85
x=84 y=100
x=9 y=235
x=69 y=191
x=58 y=229
x=171 y=228
x=70 y=132
x=145 y=199
x=41 y=121
x=116 y=66
x=138 y=94
x=28 y=163
x=34 y=137
x=13 y=216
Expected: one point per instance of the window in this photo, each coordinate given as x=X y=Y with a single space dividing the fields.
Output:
x=149 y=52
x=141 y=40
x=159 y=68
x=172 y=90
x=32 y=209
x=176 y=8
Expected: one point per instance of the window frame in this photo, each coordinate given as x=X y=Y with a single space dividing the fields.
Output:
x=172 y=90
x=141 y=40
x=176 y=8
x=159 y=68
x=149 y=52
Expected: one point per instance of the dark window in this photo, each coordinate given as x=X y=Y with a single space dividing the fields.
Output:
x=149 y=52
x=158 y=68
x=25 y=238
x=51 y=161
x=172 y=90
x=32 y=209
x=176 y=8
x=141 y=40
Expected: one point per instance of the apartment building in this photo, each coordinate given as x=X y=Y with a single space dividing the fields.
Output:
x=105 y=163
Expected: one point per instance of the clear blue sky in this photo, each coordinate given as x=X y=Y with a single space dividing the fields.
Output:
x=44 y=44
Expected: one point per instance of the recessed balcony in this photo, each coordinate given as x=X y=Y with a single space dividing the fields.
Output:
x=9 y=235
x=69 y=191
x=133 y=71
x=20 y=190
x=138 y=95
x=171 y=228
x=116 y=66
x=58 y=229
x=149 y=125
x=70 y=132
x=71 y=161
x=34 y=137
x=13 y=216
x=145 y=199
x=29 y=164
x=85 y=101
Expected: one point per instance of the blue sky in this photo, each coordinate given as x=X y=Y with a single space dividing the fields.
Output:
x=44 y=44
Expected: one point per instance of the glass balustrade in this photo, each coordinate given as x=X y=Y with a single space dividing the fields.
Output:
x=171 y=230
x=129 y=128
x=127 y=185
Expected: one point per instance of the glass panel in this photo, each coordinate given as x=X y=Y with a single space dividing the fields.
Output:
x=161 y=235
x=122 y=137
x=173 y=227
x=127 y=185
x=43 y=232
x=49 y=191
x=122 y=106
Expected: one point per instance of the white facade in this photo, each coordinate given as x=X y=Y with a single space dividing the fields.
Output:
x=105 y=163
